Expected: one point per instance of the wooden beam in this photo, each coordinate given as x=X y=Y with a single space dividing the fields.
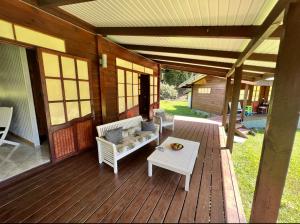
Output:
x=226 y=101
x=210 y=63
x=195 y=68
x=201 y=52
x=47 y=3
x=188 y=60
x=245 y=100
x=259 y=69
x=271 y=23
x=251 y=88
x=234 y=106
x=174 y=31
x=64 y=15
x=281 y=125
x=248 y=32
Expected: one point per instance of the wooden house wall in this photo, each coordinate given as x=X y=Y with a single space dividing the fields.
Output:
x=83 y=44
x=213 y=102
x=109 y=94
x=78 y=41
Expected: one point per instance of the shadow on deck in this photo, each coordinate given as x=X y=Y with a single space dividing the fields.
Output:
x=79 y=190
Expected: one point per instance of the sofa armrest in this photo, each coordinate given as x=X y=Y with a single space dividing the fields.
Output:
x=105 y=148
x=157 y=128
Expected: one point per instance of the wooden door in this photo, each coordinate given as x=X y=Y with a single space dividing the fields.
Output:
x=67 y=100
x=144 y=97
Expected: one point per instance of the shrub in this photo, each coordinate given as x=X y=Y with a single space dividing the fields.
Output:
x=168 y=92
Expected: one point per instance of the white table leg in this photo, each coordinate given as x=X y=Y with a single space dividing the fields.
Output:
x=149 y=169
x=187 y=182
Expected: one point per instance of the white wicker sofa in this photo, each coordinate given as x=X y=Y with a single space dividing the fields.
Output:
x=110 y=153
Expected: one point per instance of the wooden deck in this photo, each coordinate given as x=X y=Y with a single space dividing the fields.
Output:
x=79 y=190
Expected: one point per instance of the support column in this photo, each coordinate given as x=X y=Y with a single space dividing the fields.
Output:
x=282 y=123
x=226 y=100
x=249 y=102
x=234 y=106
x=245 y=100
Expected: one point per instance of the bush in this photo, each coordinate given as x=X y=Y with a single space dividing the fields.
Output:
x=168 y=92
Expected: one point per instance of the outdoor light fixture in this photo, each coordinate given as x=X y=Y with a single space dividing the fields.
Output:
x=103 y=61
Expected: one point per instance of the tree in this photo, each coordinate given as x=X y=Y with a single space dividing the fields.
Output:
x=174 y=77
x=168 y=92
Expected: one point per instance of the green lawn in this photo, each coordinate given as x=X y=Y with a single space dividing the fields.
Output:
x=177 y=107
x=246 y=161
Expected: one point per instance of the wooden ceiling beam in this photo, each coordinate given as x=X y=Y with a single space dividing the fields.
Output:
x=259 y=69
x=47 y=3
x=63 y=15
x=271 y=24
x=200 y=52
x=188 y=60
x=247 y=32
x=194 y=68
x=209 y=63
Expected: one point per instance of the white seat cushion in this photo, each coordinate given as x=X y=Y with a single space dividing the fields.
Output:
x=167 y=123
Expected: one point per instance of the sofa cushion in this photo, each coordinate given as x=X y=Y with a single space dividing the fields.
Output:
x=114 y=135
x=128 y=143
x=148 y=126
x=144 y=135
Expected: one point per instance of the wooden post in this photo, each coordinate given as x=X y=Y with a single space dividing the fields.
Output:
x=234 y=106
x=226 y=100
x=282 y=123
x=245 y=100
x=249 y=102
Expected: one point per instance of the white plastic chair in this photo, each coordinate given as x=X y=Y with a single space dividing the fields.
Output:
x=164 y=121
x=5 y=120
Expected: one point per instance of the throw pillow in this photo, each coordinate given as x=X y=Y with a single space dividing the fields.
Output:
x=148 y=126
x=114 y=135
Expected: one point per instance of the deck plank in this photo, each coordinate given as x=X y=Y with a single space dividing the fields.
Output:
x=79 y=190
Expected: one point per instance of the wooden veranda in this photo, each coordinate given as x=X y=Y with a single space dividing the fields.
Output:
x=79 y=190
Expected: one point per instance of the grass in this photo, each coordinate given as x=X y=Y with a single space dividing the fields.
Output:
x=246 y=161
x=176 y=107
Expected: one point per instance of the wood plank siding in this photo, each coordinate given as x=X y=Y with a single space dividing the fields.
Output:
x=109 y=86
x=213 y=102
x=79 y=190
x=72 y=136
x=78 y=42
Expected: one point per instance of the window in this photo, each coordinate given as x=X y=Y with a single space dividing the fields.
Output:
x=121 y=90
x=242 y=94
x=270 y=93
x=68 y=88
x=129 y=85
x=256 y=91
x=204 y=90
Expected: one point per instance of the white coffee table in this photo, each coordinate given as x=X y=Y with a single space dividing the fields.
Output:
x=181 y=161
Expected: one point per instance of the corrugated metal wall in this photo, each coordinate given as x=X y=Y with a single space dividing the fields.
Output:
x=16 y=92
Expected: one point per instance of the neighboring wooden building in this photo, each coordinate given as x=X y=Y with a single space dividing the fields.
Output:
x=208 y=93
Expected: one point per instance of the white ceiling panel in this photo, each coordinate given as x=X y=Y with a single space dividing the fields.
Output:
x=133 y=13
x=261 y=63
x=223 y=44
x=207 y=58
x=268 y=47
